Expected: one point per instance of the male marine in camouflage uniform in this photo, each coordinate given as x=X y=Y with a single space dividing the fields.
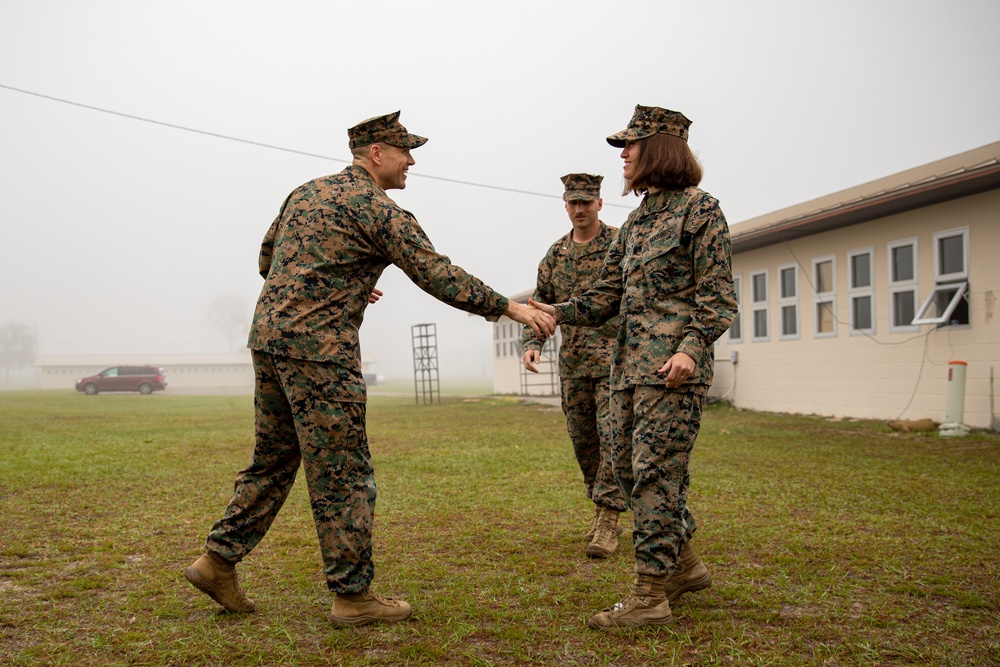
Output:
x=570 y=267
x=668 y=277
x=321 y=259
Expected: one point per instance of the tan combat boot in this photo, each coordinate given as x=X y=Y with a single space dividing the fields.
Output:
x=645 y=605
x=215 y=576
x=690 y=574
x=366 y=607
x=593 y=524
x=606 y=536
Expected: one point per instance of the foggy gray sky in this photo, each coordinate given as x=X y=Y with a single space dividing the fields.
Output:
x=118 y=234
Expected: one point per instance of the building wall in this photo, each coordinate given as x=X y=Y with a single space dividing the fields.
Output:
x=886 y=373
x=509 y=376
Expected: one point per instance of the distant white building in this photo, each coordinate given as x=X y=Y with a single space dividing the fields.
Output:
x=184 y=371
x=509 y=375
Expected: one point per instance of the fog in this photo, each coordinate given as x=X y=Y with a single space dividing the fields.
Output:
x=119 y=233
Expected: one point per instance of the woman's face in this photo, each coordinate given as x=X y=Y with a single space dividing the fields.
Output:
x=630 y=154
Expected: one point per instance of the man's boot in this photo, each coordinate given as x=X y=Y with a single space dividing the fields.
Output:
x=690 y=574
x=606 y=536
x=216 y=576
x=593 y=524
x=366 y=607
x=645 y=605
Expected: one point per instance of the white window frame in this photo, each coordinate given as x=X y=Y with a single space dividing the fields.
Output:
x=945 y=282
x=738 y=321
x=760 y=306
x=943 y=318
x=896 y=286
x=821 y=298
x=786 y=301
x=855 y=292
x=955 y=276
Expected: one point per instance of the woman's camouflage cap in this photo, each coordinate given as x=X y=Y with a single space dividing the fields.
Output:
x=383 y=129
x=582 y=187
x=647 y=121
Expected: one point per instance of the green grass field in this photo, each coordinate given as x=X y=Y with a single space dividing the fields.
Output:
x=830 y=542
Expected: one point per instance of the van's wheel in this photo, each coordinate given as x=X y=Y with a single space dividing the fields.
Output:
x=90 y=389
x=145 y=388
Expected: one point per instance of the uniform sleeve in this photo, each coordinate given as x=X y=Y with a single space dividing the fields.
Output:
x=267 y=249
x=603 y=301
x=406 y=245
x=715 y=296
x=544 y=293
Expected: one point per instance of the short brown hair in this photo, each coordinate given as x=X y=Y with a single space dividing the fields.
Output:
x=666 y=163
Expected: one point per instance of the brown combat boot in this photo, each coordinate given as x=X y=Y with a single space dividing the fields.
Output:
x=645 y=605
x=593 y=525
x=605 y=540
x=215 y=576
x=366 y=607
x=690 y=574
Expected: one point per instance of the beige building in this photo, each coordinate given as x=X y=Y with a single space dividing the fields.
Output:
x=853 y=304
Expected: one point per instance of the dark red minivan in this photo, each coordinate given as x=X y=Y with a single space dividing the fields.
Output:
x=143 y=379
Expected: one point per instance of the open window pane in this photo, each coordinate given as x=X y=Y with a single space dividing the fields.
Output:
x=945 y=306
x=824 y=277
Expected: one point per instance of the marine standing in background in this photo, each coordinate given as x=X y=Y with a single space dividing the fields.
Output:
x=669 y=278
x=321 y=259
x=570 y=267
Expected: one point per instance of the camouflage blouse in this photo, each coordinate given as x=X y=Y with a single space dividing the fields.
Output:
x=569 y=269
x=668 y=274
x=323 y=255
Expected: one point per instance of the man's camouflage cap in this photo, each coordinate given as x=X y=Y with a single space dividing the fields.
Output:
x=647 y=121
x=582 y=187
x=385 y=129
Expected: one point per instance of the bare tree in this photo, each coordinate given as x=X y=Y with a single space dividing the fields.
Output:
x=17 y=347
x=230 y=314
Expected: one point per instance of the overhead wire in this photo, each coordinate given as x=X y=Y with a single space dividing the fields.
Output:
x=284 y=149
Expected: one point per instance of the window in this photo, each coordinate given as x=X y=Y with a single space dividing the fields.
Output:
x=788 y=300
x=948 y=302
x=736 y=328
x=861 y=290
x=824 y=279
x=903 y=289
x=759 y=305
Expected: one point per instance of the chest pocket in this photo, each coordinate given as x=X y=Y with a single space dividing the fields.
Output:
x=666 y=263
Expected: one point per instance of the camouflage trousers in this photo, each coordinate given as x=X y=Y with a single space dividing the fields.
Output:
x=297 y=420
x=586 y=402
x=655 y=431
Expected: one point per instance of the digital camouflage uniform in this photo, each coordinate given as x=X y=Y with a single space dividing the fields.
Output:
x=321 y=259
x=569 y=269
x=668 y=277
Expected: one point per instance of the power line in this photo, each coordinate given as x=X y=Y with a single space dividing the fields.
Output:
x=278 y=148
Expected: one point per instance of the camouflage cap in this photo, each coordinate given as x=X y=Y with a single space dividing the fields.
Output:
x=647 y=121
x=385 y=129
x=582 y=187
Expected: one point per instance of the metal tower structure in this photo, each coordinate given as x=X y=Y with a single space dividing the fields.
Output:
x=426 y=381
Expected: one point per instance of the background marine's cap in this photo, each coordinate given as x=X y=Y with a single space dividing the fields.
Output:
x=582 y=187
x=386 y=129
x=647 y=121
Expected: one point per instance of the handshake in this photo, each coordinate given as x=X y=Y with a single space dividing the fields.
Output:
x=539 y=316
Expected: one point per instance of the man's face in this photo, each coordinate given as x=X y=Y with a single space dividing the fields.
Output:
x=583 y=213
x=392 y=171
